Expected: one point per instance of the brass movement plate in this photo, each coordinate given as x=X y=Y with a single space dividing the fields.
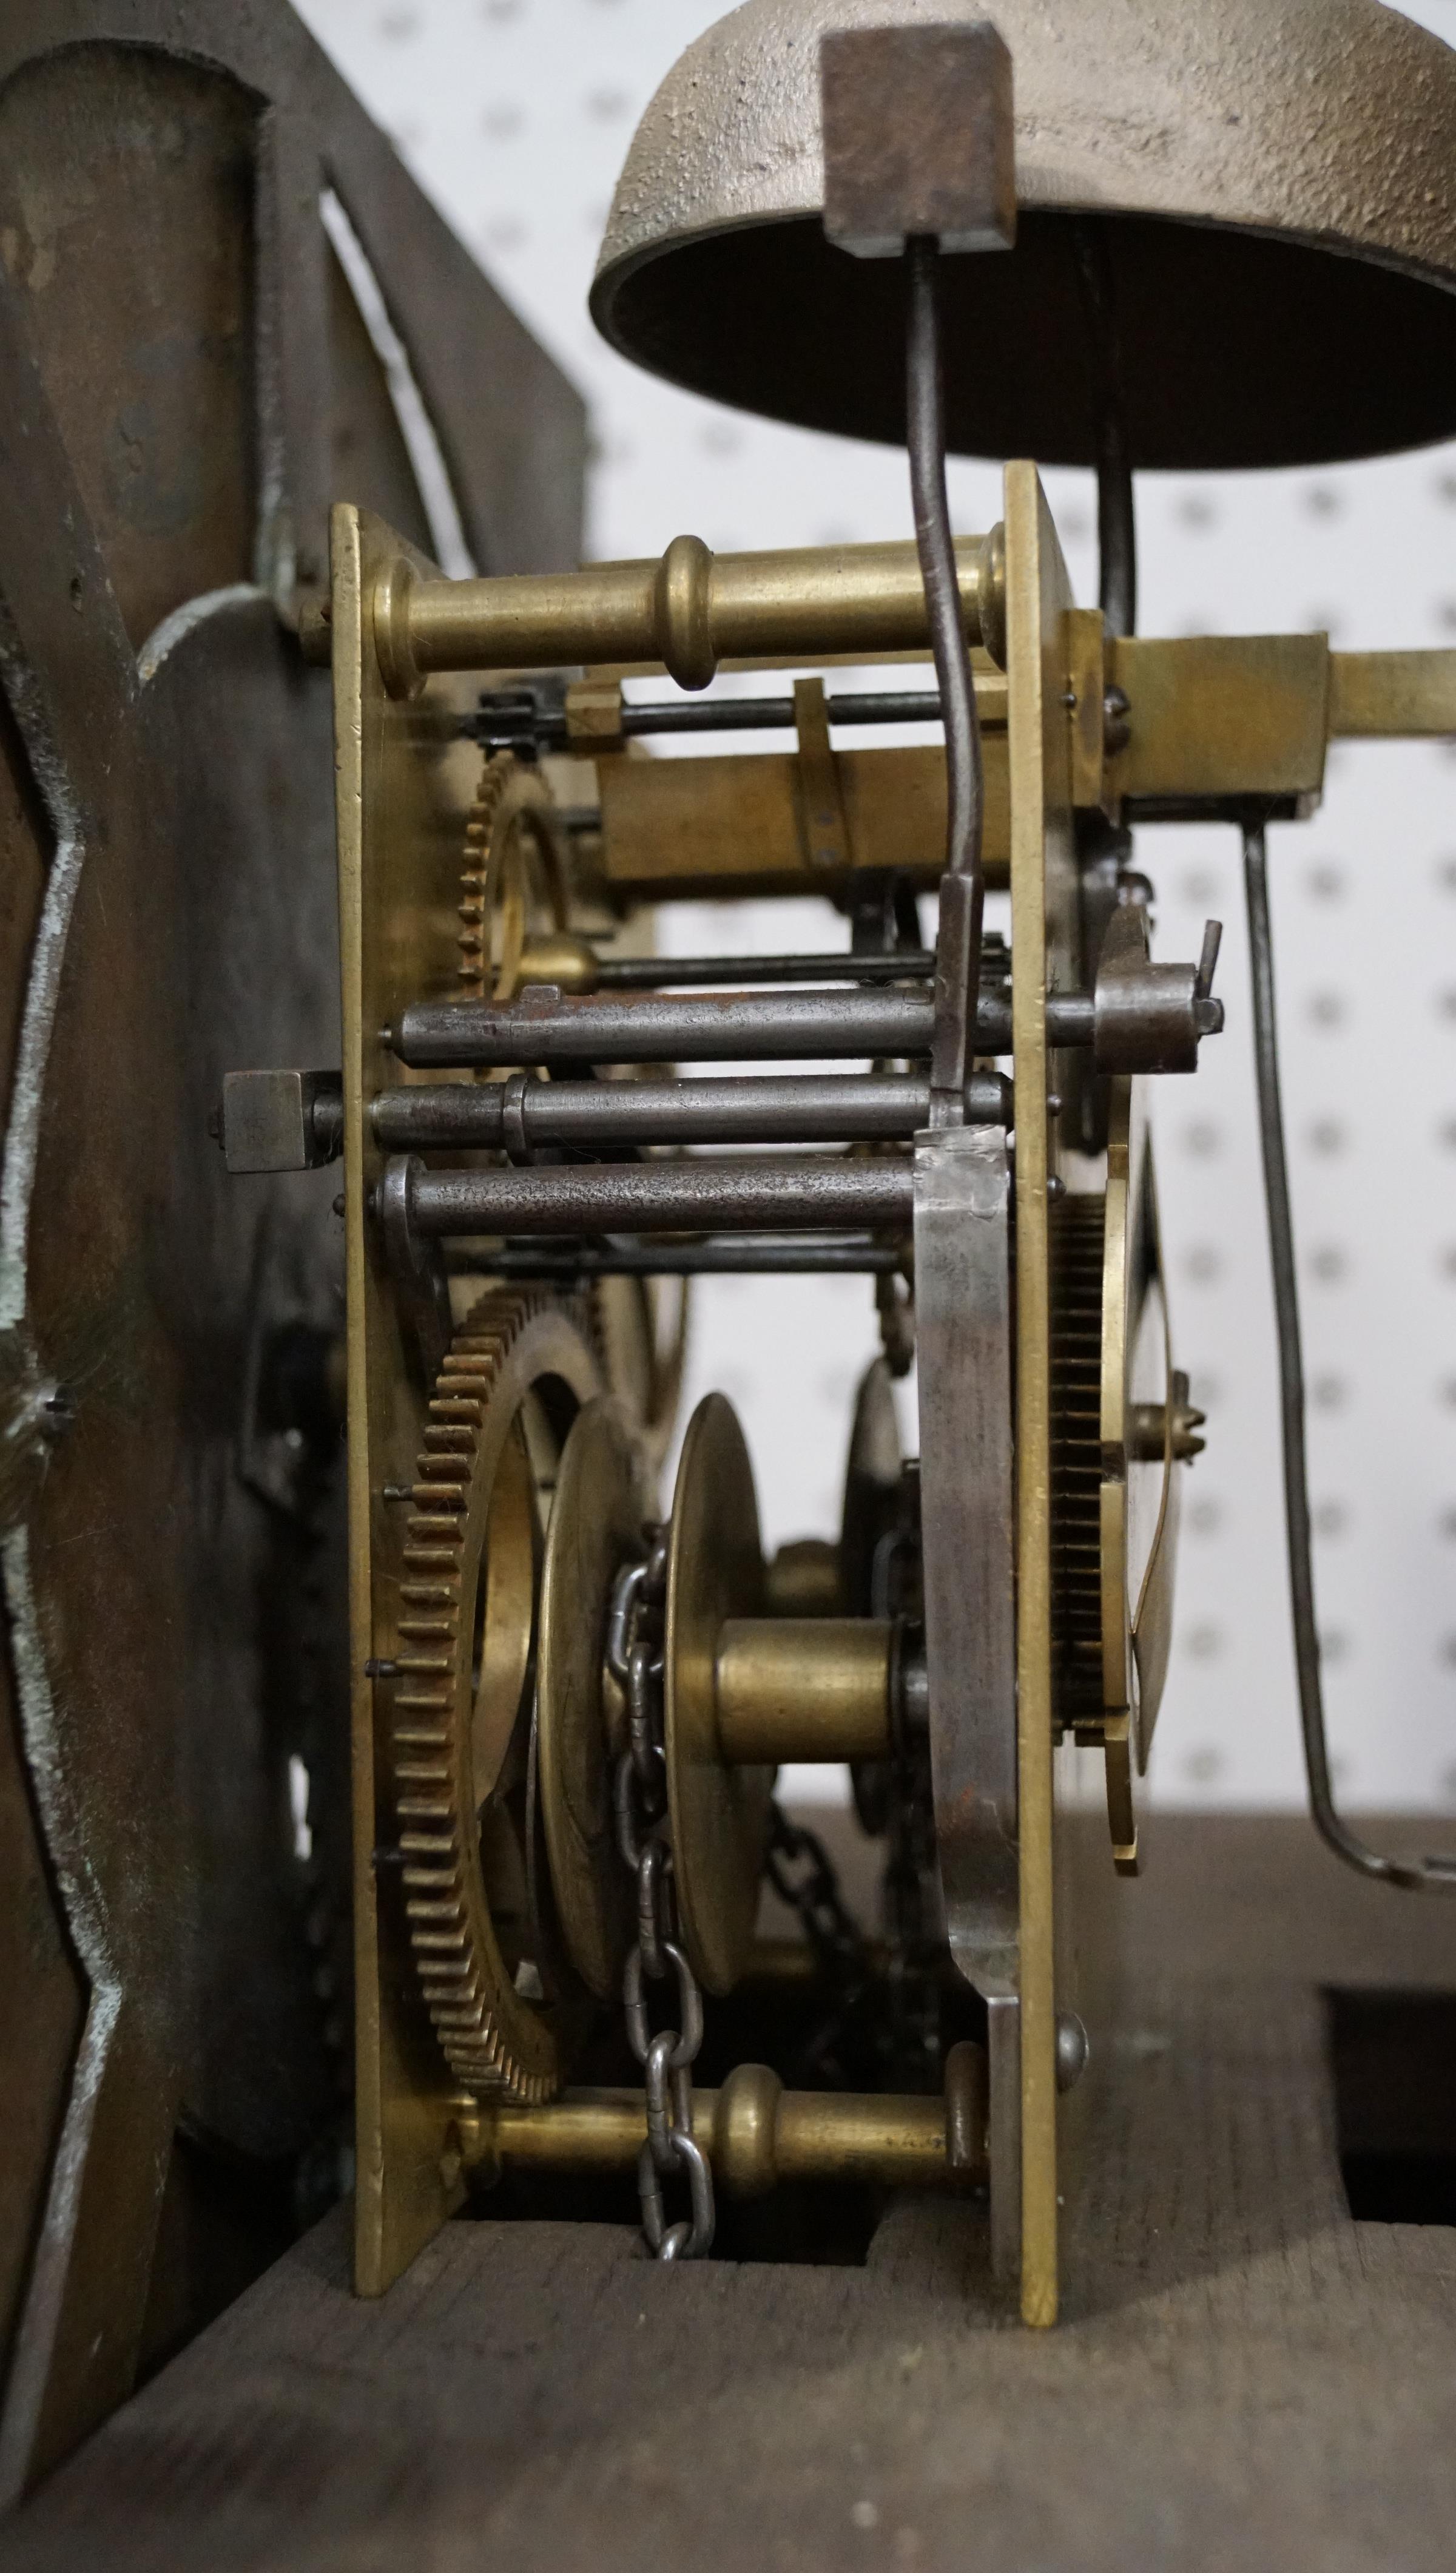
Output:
x=405 y=785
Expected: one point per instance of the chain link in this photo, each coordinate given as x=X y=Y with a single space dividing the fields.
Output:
x=909 y=1896
x=825 y=1917
x=803 y=1875
x=634 y=1657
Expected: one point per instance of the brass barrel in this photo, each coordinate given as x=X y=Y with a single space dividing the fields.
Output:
x=804 y=1688
x=756 y=2133
x=688 y=611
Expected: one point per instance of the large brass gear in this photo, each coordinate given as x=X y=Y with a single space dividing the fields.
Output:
x=1120 y=1424
x=514 y=878
x=517 y=1373
x=513 y=885
x=643 y=1328
x=1079 y=1230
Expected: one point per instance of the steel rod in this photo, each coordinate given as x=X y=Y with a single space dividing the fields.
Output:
x=611 y=1028
x=732 y=1027
x=525 y=1115
x=666 y=973
x=776 y=714
x=740 y=1255
x=708 y=1195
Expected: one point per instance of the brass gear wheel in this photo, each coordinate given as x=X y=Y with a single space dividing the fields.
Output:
x=513 y=883
x=1078 y=1231
x=1120 y=1425
x=476 y=1903
x=513 y=877
x=641 y=1327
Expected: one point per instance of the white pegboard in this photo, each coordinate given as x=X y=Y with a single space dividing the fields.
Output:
x=515 y=116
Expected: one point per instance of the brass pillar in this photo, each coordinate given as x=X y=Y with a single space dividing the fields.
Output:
x=756 y=2133
x=688 y=611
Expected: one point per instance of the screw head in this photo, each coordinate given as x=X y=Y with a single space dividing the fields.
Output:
x=1072 y=2050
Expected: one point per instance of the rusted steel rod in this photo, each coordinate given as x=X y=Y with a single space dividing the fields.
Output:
x=523 y=1115
x=710 y=1196
x=734 y=1027
x=805 y=1255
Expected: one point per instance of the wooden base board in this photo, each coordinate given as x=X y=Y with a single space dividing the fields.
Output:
x=1244 y=2377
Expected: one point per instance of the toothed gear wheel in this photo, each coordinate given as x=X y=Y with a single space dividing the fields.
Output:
x=1078 y=1234
x=514 y=878
x=641 y=1327
x=517 y=1374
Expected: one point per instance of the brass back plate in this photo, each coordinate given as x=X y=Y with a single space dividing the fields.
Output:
x=405 y=785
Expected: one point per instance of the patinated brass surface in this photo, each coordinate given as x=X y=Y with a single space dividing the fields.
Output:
x=756 y=2132
x=719 y=1814
x=803 y=1688
x=1219 y=715
x=1064 y=1930
x=1208 y=720
x=404 y=786
x=687 y=612
x=643 y=1328
x=513 y=879
x=464 y=1575
x=1043 y=899
x=600 y=1507
x=1140 y=1491
x=701 y=829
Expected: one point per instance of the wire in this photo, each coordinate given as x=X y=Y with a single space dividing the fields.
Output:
x=1412 y=1875
x=963 y=887
x=1116 y=517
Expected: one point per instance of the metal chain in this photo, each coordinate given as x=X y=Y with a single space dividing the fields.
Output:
x=839 y=2043
x=910 y=2038
x=914 y=2033
x=827 y=1924
x=634 y=1657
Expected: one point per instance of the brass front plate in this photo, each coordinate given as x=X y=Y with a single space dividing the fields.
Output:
x=1062 y=1917
x=404 y=783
